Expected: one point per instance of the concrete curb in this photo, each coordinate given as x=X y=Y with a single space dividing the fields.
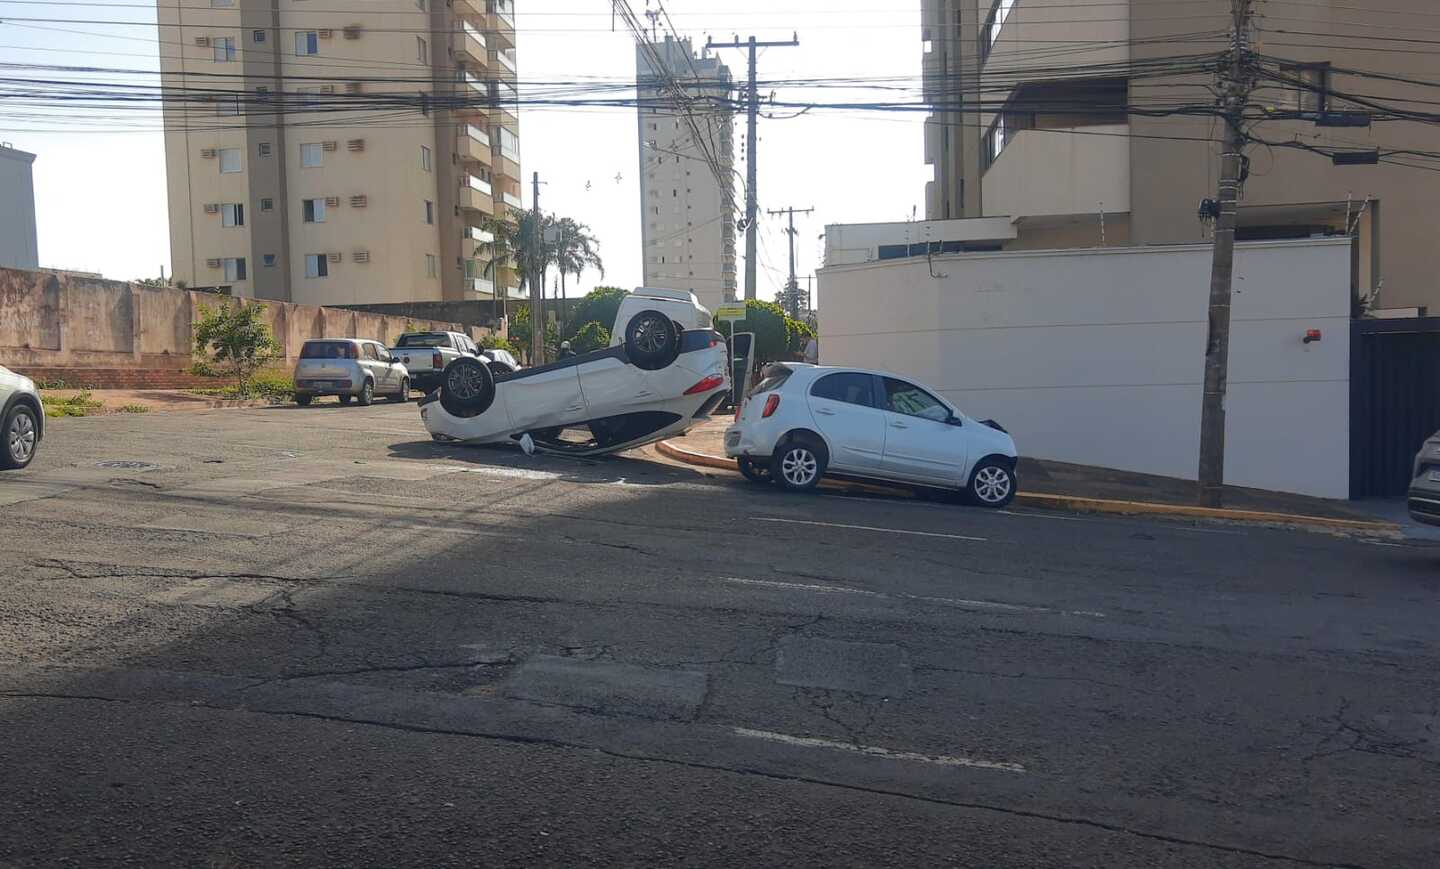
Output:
x=1103 y=505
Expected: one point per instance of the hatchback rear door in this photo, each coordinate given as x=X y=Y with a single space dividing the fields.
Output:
x=843 y=405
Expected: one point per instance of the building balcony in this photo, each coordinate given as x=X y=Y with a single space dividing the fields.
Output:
x=1060 y=172
x=506 y=167
x=501 y=22
x=473 y=145
x=470 y=46
x=476 y=196
x=935 y=87
x=934 y=140
x=479 y=288
x=503 y=62
x=512 y=200
x=472 y=11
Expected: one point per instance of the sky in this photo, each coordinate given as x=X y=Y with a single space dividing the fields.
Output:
x=100 y=181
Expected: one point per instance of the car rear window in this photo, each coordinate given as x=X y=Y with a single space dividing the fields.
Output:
x=771 y=379
x=327 y=350
x=424 y=339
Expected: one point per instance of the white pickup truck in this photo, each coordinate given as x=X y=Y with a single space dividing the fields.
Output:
x=425 y=355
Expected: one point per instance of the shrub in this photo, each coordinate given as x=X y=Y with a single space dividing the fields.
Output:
x=133 y=408
x=591 y=336
x=236 y=340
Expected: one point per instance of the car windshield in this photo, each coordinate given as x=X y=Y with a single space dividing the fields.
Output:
x=424 y=339
x=328 y=350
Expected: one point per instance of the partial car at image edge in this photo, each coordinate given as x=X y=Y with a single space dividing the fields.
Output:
x=1423 y=499
x=804 y=422
x=22 y=420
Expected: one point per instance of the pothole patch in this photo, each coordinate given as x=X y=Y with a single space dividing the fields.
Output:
x=127 y=466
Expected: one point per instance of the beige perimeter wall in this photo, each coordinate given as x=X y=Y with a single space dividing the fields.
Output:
x=54 y=319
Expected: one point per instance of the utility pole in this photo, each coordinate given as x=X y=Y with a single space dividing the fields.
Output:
x=791 y=301
x=751 y=169
x=537 y=283
x=1236 y=83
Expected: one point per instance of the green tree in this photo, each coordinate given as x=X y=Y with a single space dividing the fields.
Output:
x=236 y=340
x=520 y=336
x=600 y=305
x=575 y=250
x=591 y=336
x=771 y=328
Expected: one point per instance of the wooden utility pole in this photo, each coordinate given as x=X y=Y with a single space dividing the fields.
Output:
x=751 y=169
x=537 y=282
x=791 y=299
x=1236 y=83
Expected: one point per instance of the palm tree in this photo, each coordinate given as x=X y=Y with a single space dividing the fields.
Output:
x=515 y=242
x=575 y=250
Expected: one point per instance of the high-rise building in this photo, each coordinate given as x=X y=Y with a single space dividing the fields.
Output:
x=1090 y=123
x=688 y=213
x=344 y=154
x=17 y=219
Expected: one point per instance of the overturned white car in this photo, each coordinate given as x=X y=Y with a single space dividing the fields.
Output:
x=663 y=373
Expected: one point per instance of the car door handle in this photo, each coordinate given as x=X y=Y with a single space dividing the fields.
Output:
x=823 y=412
x=898 y=425
x=575 y=407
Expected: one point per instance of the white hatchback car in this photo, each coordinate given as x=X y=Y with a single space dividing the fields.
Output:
x=22 y=420
x=801 y=422
x=664 y=373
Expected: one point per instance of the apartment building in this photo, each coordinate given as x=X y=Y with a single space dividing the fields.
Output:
x=1059 y=115
x=330 y=153
x=687 y=221
x=18 y=248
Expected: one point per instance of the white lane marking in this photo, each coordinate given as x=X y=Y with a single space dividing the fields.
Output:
x=876 y=751
x=514 y=473
x=947 y=601
x=870 y=528
x=1043 y=516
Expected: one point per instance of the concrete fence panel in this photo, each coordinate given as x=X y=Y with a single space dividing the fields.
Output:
x=29 y=311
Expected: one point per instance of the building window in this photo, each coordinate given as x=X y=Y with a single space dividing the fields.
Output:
x=432 y=265
x=267 y=204
x=1310 y=87
x=307 y=42
x=429 y=211
x=317 y=265
x=268 y=260
x=314 y=210
x=234 y=268
x=230 y=161
x=263 y=149
x=224 y=48
x=312 y=155
x=999 y=11
x=232 y=214
x=425 y=158
x=227 y=106
x=995 y=141
x=258 y=36
x=422 y=50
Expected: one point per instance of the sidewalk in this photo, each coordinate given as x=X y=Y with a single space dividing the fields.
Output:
x=1081 y=487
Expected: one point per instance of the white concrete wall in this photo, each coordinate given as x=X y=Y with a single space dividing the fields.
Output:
x=1097 y=356
x=1065 y=171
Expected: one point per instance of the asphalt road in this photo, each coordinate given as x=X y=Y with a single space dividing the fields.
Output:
x=313 y=637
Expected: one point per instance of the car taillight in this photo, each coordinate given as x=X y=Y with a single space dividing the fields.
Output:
x=706 y=385
x=772 y=404
x=437 y=361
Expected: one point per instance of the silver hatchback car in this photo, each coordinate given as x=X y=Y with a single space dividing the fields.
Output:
x=352 y=368
x=22 y=420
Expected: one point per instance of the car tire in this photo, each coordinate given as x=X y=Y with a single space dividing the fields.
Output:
x=652 y=340
x=992 y=484
x=468 y=387
x=344 y=399
x=799 y=463
x=755 y=472
x=367 y=394
x=404 y=393
x=304 y=400
x=19 y=436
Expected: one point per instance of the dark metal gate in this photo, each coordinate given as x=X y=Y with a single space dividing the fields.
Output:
x=1394 y=401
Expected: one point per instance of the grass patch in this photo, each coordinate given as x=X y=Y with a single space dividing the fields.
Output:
x=79 y=404
x=133 y=408
x=276 y=386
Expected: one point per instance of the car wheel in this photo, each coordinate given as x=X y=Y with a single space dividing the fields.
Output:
x=754 y=471
x=468 y=387
x=652 y=340
x=304 y=400
x=344 y=399
x=992 y=484
x=799 y=464
x=18 y=438
x=367 y=394
x=404 y=393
